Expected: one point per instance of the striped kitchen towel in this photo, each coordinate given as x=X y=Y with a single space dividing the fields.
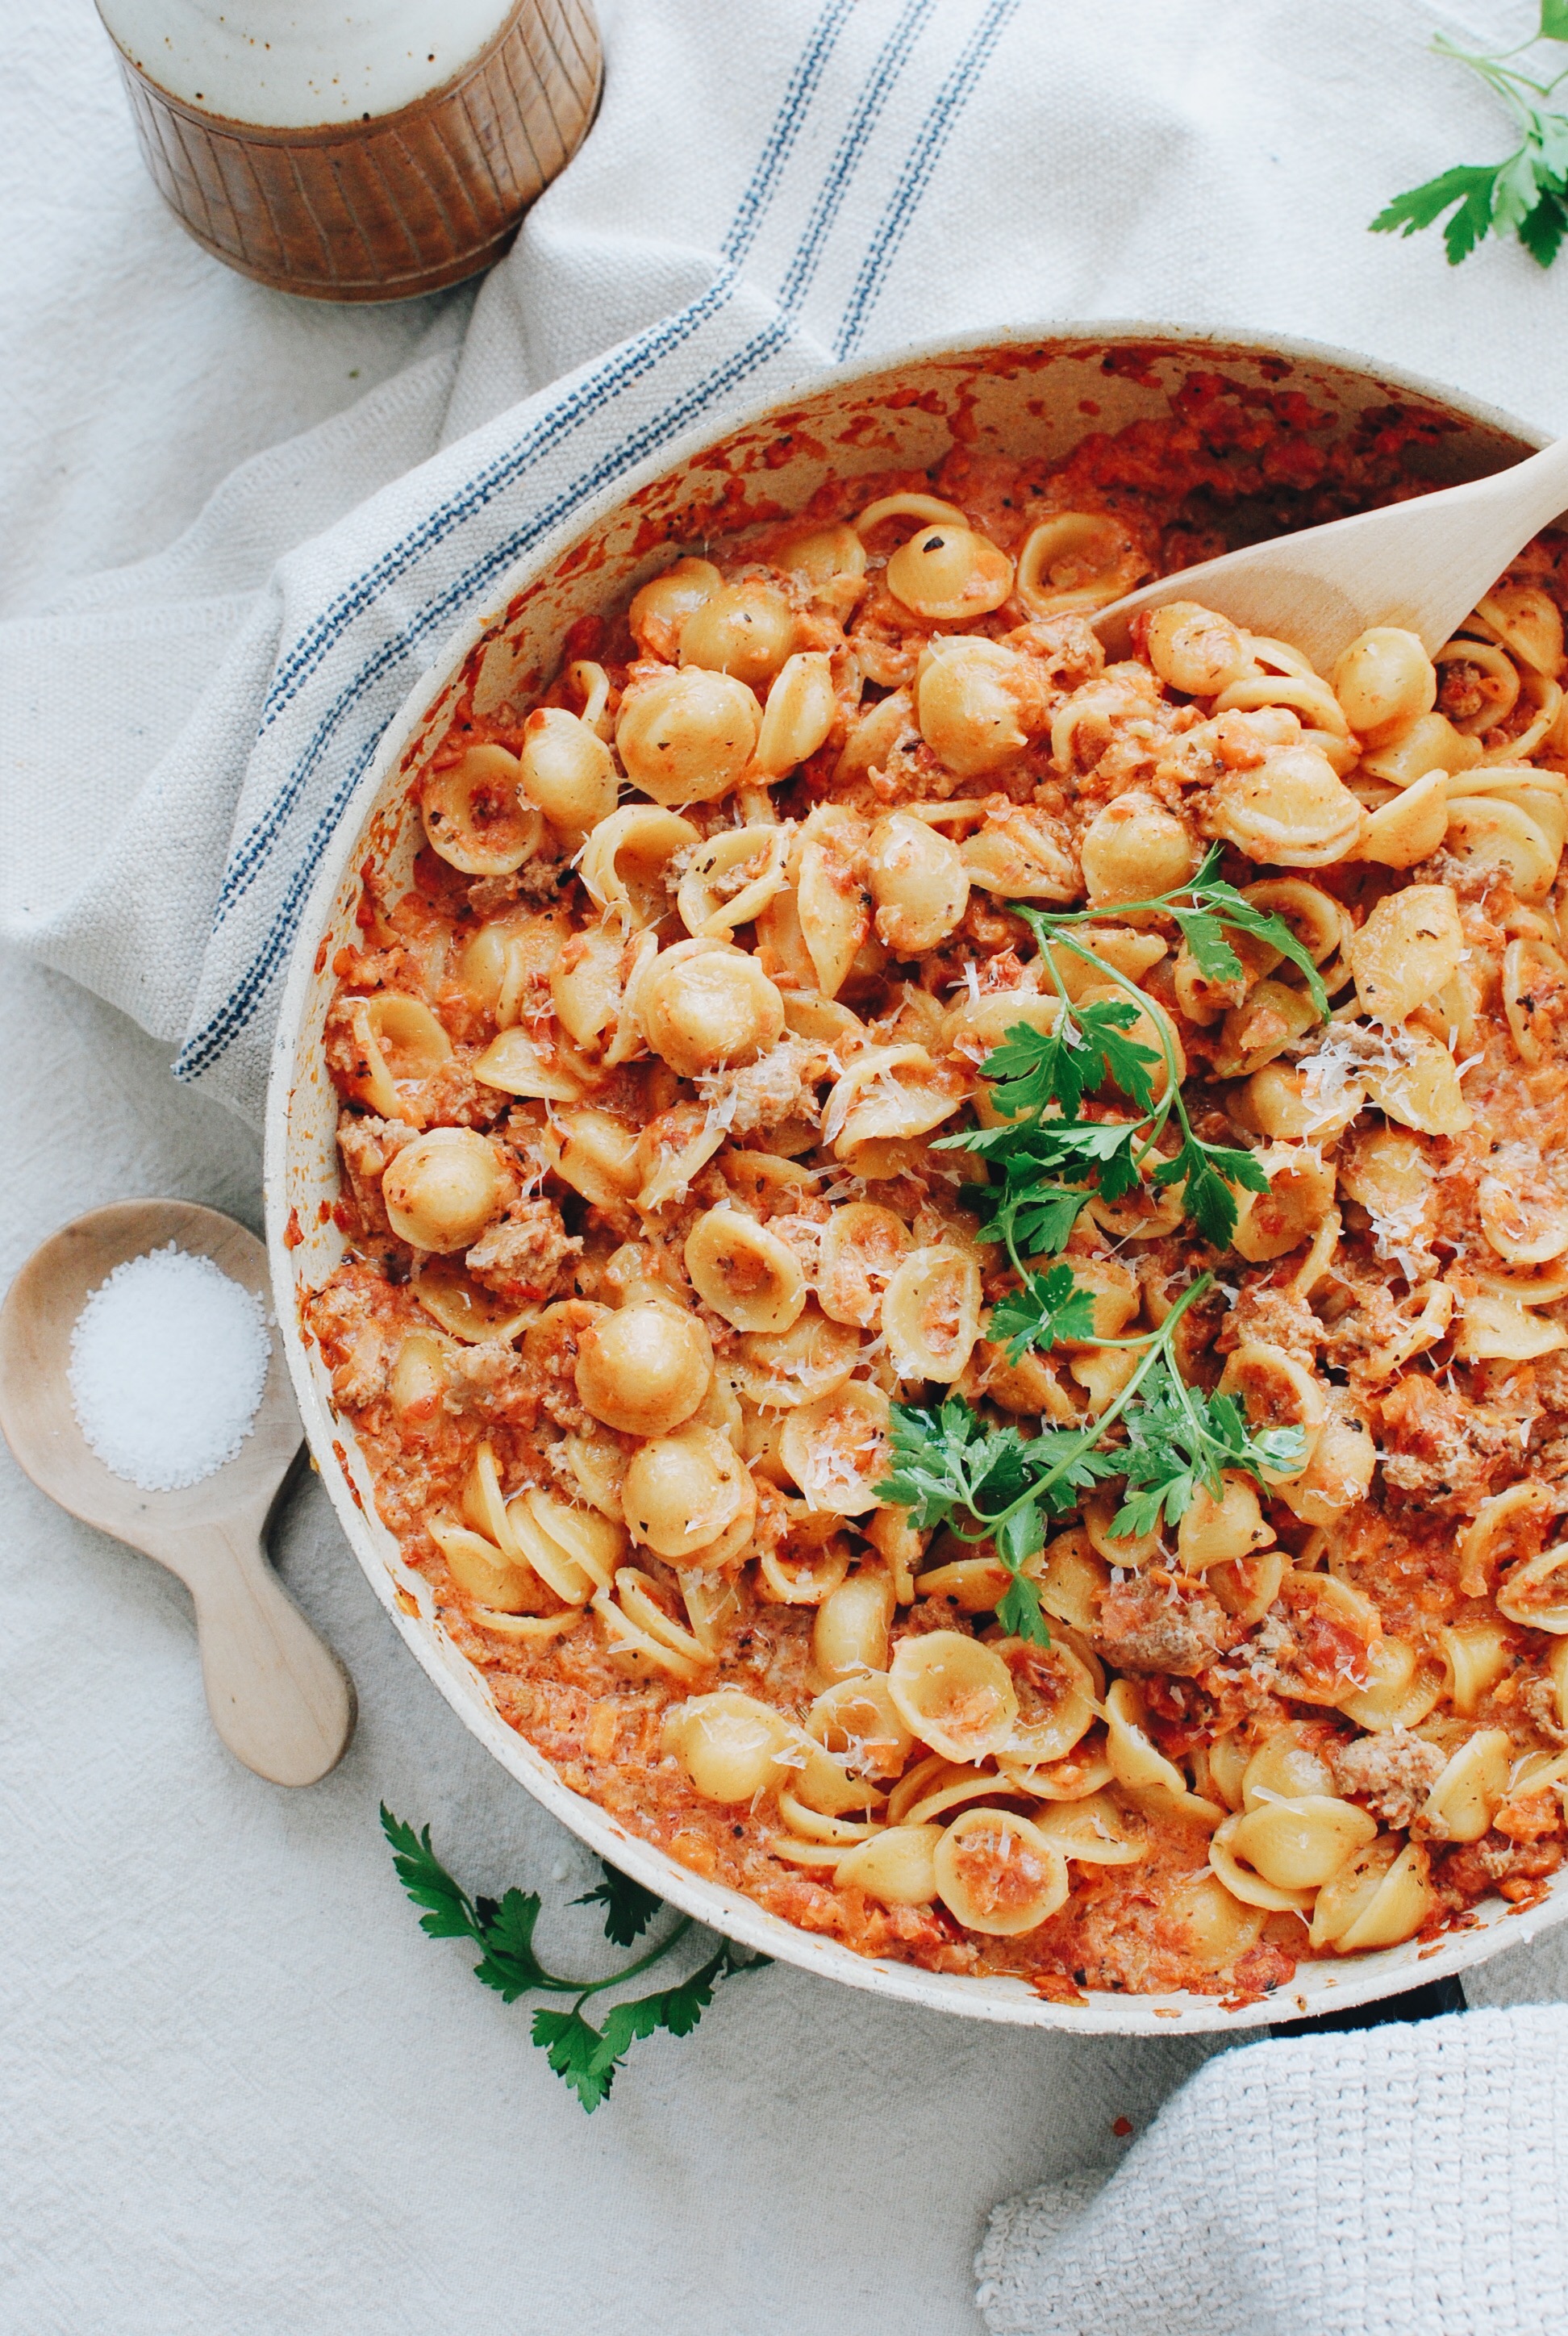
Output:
x=768 y=191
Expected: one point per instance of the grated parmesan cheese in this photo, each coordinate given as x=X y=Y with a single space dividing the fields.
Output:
x=1331 y=1074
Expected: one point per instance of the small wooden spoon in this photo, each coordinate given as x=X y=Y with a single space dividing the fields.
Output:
x=279 y=1698
x=1422 y=564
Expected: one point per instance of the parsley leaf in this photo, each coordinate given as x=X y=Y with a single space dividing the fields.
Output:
x=572 y=2046
x=1045 y=1161
x=1019 y=1611
x=1527 y=192
x=943 y=1455
x=1180 y=1440
x=1042 y=1170
x=1035 y=1068
x=1206 y=1172
x=1049 y=1306
x=1469 y=187
x=427 y=1882
x=584 y=2057
x=1204 y=930
x=1542 y=231
x=629 y=1907
x=1000 y=1485
x=509 y=1963
x=676 y=2008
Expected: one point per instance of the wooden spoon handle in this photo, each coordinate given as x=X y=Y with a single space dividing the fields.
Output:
x=279 y=1696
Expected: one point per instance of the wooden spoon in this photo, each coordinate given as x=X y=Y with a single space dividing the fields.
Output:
x=279 y=1698
x=1422 y=564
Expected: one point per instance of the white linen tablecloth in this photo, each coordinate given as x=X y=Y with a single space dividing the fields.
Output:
x=242 y=2093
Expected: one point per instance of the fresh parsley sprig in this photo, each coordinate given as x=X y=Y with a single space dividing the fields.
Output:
x=1527 y=191
x=1048 y=1159
x=998 y=1485
x=584 y=2057
x=1043 y=1170
x=1180 y=1441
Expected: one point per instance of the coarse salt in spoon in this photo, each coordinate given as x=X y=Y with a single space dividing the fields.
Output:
x=1422 y=565
x=168 y=1368
x=140 y=1330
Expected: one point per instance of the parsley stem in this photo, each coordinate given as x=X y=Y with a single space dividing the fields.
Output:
x=631 y=1970
x=1493 y=67
x=1160 y=900
x=1159 y=1344
x=1155 y=1120
x=555 y=1982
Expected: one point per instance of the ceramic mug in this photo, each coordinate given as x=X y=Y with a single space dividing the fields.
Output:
x=363 y=153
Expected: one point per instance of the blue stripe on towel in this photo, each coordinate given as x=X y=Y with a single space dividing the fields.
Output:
x=878 y=86
x=914 y=179
x=203 y=1049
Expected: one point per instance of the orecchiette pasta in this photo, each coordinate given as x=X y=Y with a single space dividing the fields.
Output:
x=1401 y=1687
x=932 y=1314
x=731 y=879
x=1291 y=809
x=1409 y=947
x=643 y=1370
x=746 y=629
x=704 y=1006
x=1195 y=650
x=730 y=1744
x=744 y=1272
x=862 y=1248
x=1384 y=681
x=836 y=1449
x=475 y=816
x=968 y=703
x=567 y=770
x=949 y=574
x=897 y=1865
x=780 y=1370
x=953 y=1694
x=887 y=1093
x=919 y=882
x=443 y=1190
x=688 y=737
x=398 y=1046
x=625 y=861
x=1134 y=849
x=660 y=609
x=1091 y=1511
x=799 y=713
x=1382 y=1895
x=1076 y=561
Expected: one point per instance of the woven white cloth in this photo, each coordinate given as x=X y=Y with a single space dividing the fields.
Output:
x=241 y=2091
x=1404 y=2178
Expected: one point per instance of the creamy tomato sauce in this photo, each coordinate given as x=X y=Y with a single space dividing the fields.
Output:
x=643 y=1082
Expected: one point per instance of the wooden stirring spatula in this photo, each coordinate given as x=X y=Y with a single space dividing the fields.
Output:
x=279 y=1698
x=1422 y=564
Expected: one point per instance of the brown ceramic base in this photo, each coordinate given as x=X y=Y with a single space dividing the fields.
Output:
x=389 y=208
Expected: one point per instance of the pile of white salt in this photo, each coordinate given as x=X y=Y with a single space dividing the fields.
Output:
x=168 y=1363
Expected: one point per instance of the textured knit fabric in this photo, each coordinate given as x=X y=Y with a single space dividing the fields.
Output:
x=1401 y=2179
